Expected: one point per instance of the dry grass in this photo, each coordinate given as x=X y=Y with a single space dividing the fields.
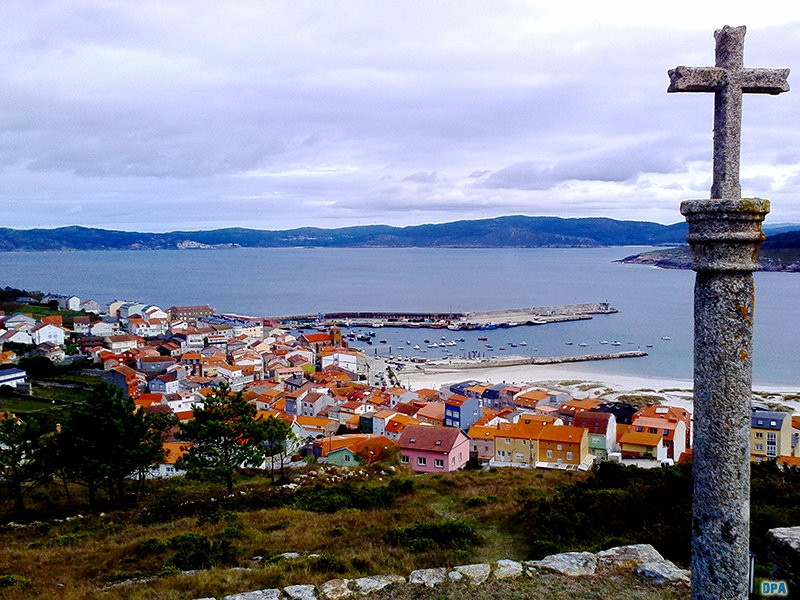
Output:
x=81 y=558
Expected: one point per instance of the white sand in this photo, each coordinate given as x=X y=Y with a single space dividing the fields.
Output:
x=416 y=377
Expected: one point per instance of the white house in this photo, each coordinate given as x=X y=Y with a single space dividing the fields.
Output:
x=47 y=332
x=16 y=336
x=13 y=377
x=351 y=360
x=64 y=302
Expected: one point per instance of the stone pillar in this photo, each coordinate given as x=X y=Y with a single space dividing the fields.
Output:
x=724 y=235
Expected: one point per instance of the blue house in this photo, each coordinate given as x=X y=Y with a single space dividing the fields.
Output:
x=461 y=412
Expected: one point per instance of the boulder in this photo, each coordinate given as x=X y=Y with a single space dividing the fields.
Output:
x=268 y=594
x=572 y=564
x=783 y=550
x=507 y=569
x=662 y=572
x=367 y=585
x=290 y=555
x=475 y=574
x=300 y=592
x=335 y=589
x=627 y=557
x=428 y=577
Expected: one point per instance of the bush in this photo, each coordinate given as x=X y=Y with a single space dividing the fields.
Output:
x=476 y=501
x=149 y=547
x=7 y=581
x=328 y=563
x=337 y=531
x=453 y=533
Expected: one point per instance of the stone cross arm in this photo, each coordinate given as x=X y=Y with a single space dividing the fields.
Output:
x=714 y=79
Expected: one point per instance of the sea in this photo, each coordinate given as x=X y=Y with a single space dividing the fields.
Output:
x=655 y=305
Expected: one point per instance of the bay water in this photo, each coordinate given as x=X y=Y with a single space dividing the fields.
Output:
x=653 y=303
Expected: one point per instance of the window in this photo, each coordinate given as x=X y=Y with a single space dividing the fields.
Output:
x=346 y=458
x=404 y=459
x=549 y=454
x=439 y=463
x=759 y=435
x=569 y=455
x=501 y=453
x=666 y=432
x=639 y=428
x=759 y=446
x=558 y=446
x=422 y=461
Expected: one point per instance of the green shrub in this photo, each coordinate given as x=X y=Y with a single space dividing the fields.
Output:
x=453 y=533
x=337 y=531
x=476 y=501
x=7 y=581
x=150 y=546
x=328 y=563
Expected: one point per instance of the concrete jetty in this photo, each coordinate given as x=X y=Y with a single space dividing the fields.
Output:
x=513 y=361
x=510 y=317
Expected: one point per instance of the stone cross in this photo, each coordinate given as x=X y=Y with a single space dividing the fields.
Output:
x=728 y=80
x=724 y=234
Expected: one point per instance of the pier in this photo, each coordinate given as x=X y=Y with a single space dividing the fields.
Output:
x=491 y=319
x=513 y=361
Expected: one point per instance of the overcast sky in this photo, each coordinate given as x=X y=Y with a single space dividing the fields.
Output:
x=166 y=115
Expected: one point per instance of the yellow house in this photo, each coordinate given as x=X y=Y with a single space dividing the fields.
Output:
x=770 y=435
x=516 y=445
x=564 y=444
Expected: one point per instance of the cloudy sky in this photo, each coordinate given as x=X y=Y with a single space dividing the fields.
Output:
x=192 y=115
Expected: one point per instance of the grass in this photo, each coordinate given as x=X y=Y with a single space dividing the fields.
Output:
x=498 y=513
x=90 y=554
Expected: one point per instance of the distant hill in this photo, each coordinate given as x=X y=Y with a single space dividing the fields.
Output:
x=501 y=232
x=780 y=252
x=512 y=231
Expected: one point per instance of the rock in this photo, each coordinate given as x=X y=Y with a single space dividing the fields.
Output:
x=367 y=585
x=475 y=574
x=454 y=576
x=313 y=555
x=300 y=592
x=268 y=594
x=627 y=557
x=290 y=555
x=507 y=569
x=783 y=550
x=428 y=577
x=572 y=564
x=661 y=572
x=335 y=589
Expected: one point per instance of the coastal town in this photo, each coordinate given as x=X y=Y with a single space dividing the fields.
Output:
x=344 y=406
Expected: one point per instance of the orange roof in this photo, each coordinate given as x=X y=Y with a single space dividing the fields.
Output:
x=792 y=461
x=185 y=415
x=563 y=433
x=174 y=450
x=53 y=320
x=479 y=432
x=477 y=389
x=316 y=337
x=661 y=411
x=533 y=395
x=579 y=405
x=427 y=393
x=522 y=431
x=456 y=400
x=148 y=399
x=342 y=441
x=432 y=410
x=640 y=439
x=313 y=421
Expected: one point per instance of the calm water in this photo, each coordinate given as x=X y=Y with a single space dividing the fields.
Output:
x=274 y=281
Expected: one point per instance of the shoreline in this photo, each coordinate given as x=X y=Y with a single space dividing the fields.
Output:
x=418 y=376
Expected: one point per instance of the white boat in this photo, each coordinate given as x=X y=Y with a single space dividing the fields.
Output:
x=616 y=343
x=603 y=341
x=416 y=347
x=583 y=344
x=665 y=338
x=523 y=343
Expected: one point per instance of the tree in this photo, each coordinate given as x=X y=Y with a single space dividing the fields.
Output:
x=277 y=434
x=107 y=439
x=225 y=435
x=24 y=456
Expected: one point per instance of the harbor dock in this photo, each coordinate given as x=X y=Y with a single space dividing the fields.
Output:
x=492 y=319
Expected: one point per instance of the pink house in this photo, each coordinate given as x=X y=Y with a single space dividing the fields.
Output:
x=432 y=449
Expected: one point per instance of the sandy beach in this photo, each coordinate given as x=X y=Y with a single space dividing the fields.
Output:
x=574 y=377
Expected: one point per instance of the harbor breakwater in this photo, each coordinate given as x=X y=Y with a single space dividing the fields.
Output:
x=513 y=361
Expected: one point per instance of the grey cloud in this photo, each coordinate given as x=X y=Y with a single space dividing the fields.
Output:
x=422 y=177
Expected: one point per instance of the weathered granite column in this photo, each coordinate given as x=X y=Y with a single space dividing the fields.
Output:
x=724 y=234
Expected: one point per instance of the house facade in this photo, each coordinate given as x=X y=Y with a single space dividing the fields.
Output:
x=431 y=449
